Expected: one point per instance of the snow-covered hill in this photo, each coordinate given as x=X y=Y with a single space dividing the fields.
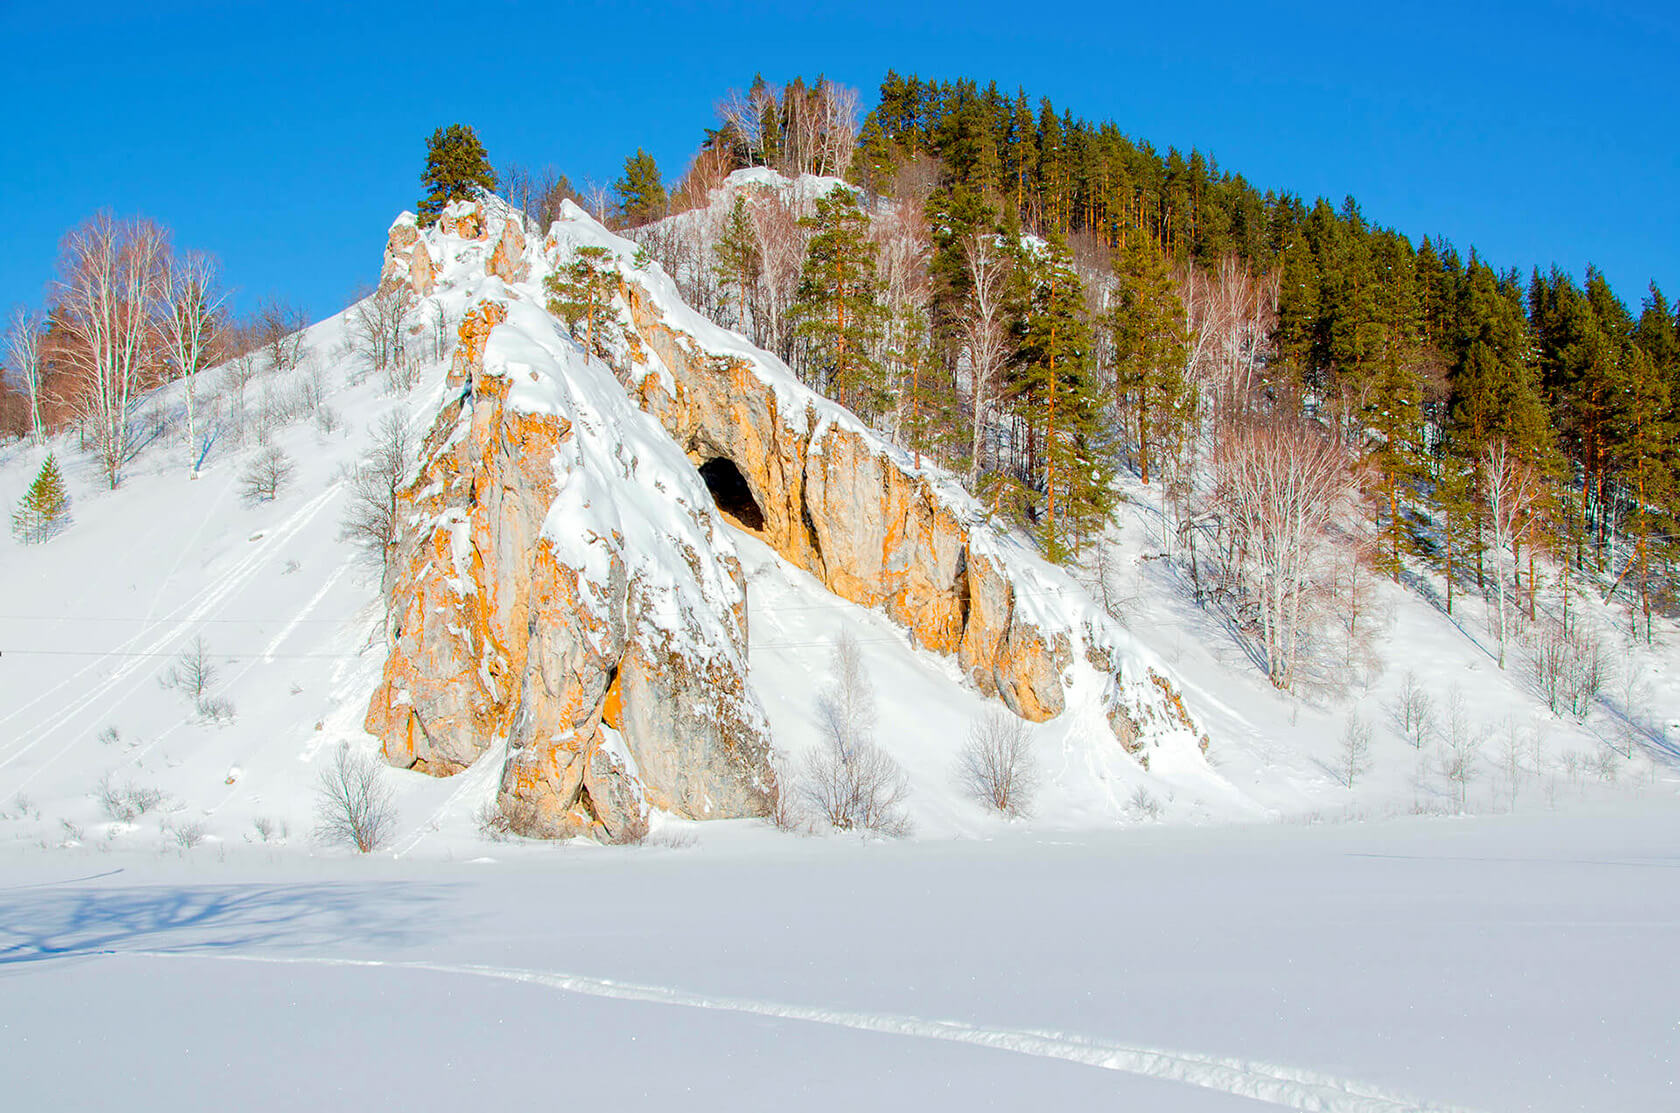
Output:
x=97 y=620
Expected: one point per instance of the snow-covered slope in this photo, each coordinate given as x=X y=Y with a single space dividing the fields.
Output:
x=96 y=620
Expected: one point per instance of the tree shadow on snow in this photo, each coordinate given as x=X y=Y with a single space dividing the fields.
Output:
x=66 y=923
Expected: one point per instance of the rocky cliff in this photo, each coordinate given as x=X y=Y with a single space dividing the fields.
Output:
x=565 y=587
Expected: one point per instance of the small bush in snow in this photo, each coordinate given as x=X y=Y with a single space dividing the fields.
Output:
x=354 y=806
x=269 y=829
x=109 y=736
x=492 y=822
x=848 y=780
x=997 y=765
x=186 y=835
x=128 y=803
x=266 y=476
x=193 y=674
x=1143 y=805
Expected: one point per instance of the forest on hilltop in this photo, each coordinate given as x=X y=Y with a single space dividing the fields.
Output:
x=1039 y=303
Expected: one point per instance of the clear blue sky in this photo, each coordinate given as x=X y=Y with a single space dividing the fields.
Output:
x=284 y=138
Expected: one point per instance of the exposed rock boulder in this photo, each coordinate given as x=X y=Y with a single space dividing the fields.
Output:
x=407 y=259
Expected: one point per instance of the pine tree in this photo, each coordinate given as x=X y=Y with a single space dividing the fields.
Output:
x=45 y=509
x=837 y=306
x=641 y=194
x=739 y=260
x=1151 y=350
x=1054 y=391
x=456 y=168
x=581 y=292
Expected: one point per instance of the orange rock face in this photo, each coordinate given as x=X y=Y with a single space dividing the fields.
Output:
x=834 y=504
x=498 y=640
x=508 y=260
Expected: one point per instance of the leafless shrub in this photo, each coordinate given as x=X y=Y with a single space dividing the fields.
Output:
x=785 y=812
x=25 y=806
x=1144 y=806
x=849 y=780
x=269 y=829
x=354 y=805
x=1607 y=764
x=1413 y=711
x=186 y=835
x=109 y=736
x=72 y=832
x=128 y=803
x=493 y=823
x=279 y=331
x=266 y=476
x=402 y=374
x=997 y=766
x=1355 y=753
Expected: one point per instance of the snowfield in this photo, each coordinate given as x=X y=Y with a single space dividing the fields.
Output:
x=1243 y=933
x=1508 y=963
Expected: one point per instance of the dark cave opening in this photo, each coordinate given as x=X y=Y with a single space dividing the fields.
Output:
x=730 y=491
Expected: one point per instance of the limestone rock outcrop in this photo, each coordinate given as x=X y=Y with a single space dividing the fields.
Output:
x=564 y=589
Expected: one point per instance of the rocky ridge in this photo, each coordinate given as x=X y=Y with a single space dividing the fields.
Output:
x=608 y=702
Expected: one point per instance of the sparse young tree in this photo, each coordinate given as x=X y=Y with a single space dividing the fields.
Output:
x=354 y=804
x=1355 y=753
x=44 y=511
x=1414 y=711
x=370 y=519
x=266 y=475
x=1461 y=747
x=997 y=766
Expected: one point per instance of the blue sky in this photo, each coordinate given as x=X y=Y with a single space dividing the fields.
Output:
x=285 y=138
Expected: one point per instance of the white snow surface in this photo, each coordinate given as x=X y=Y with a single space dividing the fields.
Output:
x=1241 y=933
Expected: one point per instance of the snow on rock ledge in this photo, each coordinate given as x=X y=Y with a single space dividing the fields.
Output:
x=562 y=583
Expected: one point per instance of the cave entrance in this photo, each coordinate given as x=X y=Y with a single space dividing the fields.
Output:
x=730 y=491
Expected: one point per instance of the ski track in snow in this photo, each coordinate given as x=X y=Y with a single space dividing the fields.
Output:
x=203 y=604
x=1274 y=1084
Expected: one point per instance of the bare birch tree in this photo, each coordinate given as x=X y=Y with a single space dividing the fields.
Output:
x=781 y=246
x=985 y=332
x=193 y=300
x=111 y=280
x=1511 y=489
x=1279 y=486
x=23 y=352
